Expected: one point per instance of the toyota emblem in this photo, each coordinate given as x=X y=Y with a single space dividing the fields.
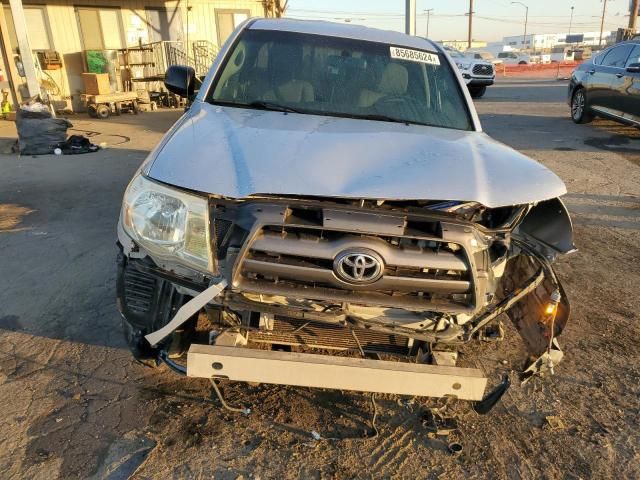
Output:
x=358 y=266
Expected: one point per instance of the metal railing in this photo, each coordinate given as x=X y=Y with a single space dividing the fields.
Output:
x=149 y=61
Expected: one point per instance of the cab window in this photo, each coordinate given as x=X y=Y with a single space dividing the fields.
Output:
x=634 y=57
x=617 y=56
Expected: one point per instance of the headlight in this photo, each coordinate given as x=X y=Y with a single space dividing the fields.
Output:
x=463 y=66
x=168 y=222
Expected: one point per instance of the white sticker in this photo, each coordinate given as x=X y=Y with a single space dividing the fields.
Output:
x=415 y=55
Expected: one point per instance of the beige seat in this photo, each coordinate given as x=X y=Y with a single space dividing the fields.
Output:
x=394 y=81
x=294 y=91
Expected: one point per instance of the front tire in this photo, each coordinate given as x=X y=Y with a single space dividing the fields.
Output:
x=580 y=107
x=477 y=92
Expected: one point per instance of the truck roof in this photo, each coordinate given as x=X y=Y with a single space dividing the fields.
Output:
x=331 y=29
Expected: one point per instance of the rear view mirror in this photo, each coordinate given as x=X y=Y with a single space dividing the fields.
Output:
x=633 y=68
x=181 y=80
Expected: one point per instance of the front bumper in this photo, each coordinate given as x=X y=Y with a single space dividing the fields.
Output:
x=479 y=82
x=275 y=283
x=340 y=373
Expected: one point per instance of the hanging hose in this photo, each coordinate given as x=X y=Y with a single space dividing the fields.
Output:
x=246 y=411
x=175 y=367
x=375 y=415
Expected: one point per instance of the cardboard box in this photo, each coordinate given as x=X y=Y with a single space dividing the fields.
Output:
x=96 y=83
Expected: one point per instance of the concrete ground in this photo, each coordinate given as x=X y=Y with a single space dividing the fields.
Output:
x=75 y=405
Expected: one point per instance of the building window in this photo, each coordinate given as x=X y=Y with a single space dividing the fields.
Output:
x=165 y=24
x=37 y=28
x=100 y=28
x=227 y=21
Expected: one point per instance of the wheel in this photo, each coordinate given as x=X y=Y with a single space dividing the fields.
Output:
x=522 y=62
x=579 y=107
x=477 y=92
x=91 y=110
x=103 y=111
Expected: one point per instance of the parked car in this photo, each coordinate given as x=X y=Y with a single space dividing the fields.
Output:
x=482 y=55
x=477 y=74
x=562 y=54
x=328 y=213
x=608 y=85
x=514 y=58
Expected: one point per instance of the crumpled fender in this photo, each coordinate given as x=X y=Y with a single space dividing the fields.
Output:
x=548 y=224
x=528 y=315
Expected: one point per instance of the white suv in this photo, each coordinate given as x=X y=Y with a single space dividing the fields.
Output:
x=478 y=74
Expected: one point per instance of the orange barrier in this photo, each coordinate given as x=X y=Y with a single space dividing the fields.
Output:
x=539 y=70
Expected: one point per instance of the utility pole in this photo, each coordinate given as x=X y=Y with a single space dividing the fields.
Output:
x=26 y=55
x=526 y=20
x=428 y=12
x=633 y=14
x=604 y=11
x=470 y=23
x=410 y=17
x=571 y=21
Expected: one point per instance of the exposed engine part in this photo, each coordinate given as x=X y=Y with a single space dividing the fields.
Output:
x=455 y=448
x=244 y=410
x=486 y=404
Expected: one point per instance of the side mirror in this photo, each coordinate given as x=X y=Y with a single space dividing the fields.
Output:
x=633 y=68
x=181 y=80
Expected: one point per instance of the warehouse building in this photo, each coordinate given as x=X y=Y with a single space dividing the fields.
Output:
x=132 y=41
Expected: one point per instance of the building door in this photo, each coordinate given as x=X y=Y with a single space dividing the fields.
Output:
x=165 y=24
x=227 y=21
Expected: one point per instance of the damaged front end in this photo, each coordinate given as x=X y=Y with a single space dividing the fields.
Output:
x=368 y=295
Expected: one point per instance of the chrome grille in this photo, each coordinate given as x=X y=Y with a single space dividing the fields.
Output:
x=299 y=262
x=481 y=69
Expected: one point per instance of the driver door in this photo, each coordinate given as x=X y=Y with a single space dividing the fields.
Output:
x=626 y=87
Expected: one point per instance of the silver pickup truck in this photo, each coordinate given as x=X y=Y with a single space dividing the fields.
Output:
x=477 y=73
x=328 y=213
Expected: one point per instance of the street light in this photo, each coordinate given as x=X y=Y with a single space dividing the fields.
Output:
x=526 y=19
x=428 y=12
x=571 y=21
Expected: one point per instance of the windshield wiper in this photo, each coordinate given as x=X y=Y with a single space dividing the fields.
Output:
x=259 y=105
x=276 y=107
x=386 y=118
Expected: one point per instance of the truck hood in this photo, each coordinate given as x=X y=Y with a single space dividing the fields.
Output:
x=238 y=152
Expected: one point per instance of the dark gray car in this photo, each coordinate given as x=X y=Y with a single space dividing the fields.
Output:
x=608 y=85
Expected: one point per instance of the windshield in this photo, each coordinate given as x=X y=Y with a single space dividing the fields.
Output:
x=454 y=53
x=324 y=75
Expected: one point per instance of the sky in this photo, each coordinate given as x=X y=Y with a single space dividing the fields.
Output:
x=493 y=19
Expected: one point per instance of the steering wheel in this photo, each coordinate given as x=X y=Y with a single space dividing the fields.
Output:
x=398 y=103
